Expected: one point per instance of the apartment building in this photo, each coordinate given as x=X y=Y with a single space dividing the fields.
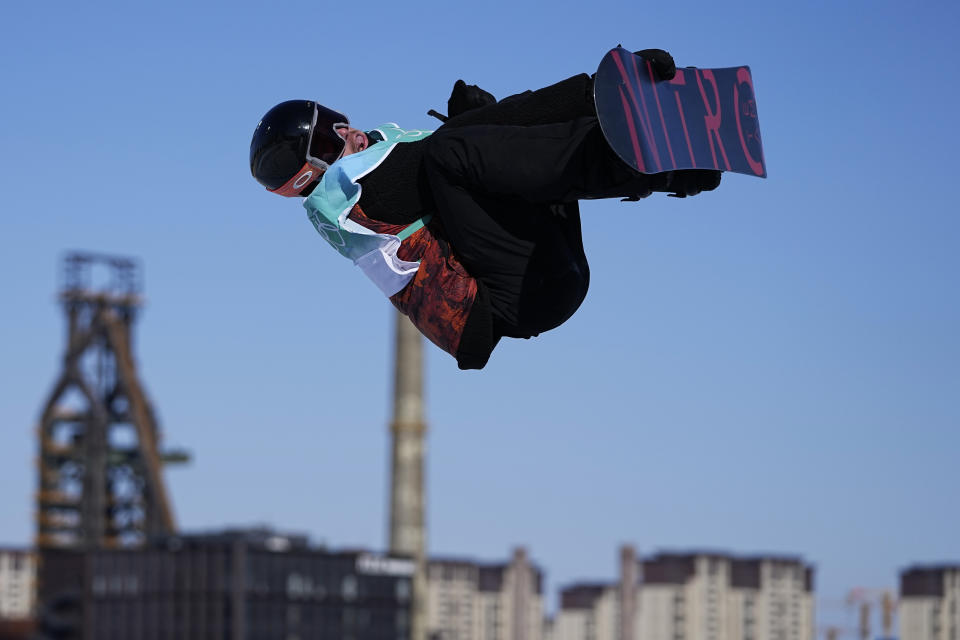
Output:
x=600 y=611
x=710 y=596
x=695 y=596
x=587 y=612
x=467 y=600
x=930 y=603
x=18 y=575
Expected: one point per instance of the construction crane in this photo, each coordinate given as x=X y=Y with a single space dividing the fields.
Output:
x=865 y=599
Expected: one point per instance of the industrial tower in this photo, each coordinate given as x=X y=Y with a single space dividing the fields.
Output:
x=99 y=465
x=408 y=430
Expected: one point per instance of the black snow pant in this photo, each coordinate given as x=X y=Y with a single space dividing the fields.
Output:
x=507 y=199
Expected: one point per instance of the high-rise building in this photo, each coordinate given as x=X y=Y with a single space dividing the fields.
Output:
x=709 y=596
x=467 y=600
x=695 y=596
x=601 y=611
x=930 y=603
x=18 y=574
x=234 y=585
x=588 y=611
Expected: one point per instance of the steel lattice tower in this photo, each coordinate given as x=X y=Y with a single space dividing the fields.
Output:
x=100 y=480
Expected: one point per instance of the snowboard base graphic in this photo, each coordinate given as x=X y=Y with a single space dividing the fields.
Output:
x=701 y=119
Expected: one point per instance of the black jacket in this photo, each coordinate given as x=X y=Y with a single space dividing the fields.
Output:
x=398 y=192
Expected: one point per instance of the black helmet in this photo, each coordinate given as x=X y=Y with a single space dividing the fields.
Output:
x=293 y=145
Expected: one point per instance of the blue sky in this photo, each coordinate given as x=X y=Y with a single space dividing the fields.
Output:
x=774 y=366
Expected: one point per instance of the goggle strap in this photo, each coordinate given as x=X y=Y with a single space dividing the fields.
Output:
x=307 y=174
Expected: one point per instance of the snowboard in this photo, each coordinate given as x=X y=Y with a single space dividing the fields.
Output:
x=701 y=119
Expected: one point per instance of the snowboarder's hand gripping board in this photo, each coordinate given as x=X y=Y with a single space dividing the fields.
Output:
x=701 y=119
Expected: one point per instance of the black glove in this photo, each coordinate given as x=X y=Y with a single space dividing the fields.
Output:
x=663 y=66
x=465 y=97
x=690 y=182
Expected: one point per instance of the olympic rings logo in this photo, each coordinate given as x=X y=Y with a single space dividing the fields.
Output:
x=329 y=232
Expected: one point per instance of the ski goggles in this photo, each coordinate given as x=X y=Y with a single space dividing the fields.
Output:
x=324 y=147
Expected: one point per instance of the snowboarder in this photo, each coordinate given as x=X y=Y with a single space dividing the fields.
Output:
x=472 y=231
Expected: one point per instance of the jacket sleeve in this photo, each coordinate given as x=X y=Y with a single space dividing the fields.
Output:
x=566 y=100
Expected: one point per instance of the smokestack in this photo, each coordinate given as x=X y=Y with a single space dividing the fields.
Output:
x=407 y=431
